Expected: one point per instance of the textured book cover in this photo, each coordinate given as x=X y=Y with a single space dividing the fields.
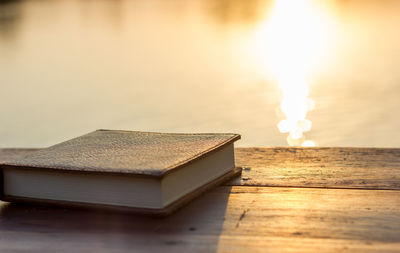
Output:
x=140 y=153
x=133 y=153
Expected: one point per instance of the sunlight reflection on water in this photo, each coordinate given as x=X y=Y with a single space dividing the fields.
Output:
x=298 y=33
x=68 y=67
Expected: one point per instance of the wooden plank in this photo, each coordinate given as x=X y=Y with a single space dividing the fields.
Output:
x=228 y=219
x=367 y=168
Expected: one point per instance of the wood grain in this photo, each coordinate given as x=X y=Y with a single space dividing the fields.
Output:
x=323 y=200
x=364 y=168
x=228 y=219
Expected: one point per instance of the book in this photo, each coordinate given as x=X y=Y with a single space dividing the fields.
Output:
x=146 y=172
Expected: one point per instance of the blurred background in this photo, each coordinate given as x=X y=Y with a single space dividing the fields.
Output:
x=280 y=72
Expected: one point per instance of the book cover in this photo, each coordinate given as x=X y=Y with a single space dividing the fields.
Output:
x=133 y=153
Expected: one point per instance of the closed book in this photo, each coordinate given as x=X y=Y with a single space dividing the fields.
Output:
x=146 y=172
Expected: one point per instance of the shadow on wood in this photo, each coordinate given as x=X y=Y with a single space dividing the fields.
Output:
x=245 y=217
x=196 y=226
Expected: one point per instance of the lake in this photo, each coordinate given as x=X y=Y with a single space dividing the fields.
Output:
x=300 y=72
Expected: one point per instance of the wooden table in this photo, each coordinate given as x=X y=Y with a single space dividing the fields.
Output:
x=287 y=200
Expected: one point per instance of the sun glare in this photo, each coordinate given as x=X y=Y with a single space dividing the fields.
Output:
x=295 y=36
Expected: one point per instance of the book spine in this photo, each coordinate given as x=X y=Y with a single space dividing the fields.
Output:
x=1 y=184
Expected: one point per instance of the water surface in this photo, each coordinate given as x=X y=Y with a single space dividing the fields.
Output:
x=68 y=67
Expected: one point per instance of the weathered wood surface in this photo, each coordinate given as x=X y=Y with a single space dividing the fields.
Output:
x=364 y=168
x=247 y=216
x=226 y=219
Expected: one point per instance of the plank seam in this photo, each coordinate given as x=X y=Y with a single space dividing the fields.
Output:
x=313 y=187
